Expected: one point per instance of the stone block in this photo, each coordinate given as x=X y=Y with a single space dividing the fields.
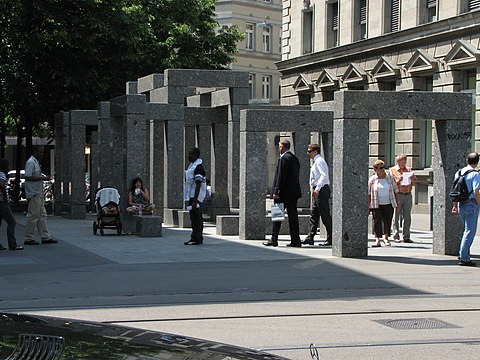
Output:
x=200 y=100
x=104 y=109
x=402 y=105
x=128 y=104
x=176 y=217
x=221 y=98
x=171 y=94
x=142 y=225
x=206 y=78
x=73 y=211
x=239 y=96
x=149 y=82
x=227 y=225
x=285 y=120
x=84 y=117
x=157 y=111
x=131 y=87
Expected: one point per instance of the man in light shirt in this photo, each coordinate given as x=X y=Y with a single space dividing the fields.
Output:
x=405 y=179
x=320 y=185
x=36 y=212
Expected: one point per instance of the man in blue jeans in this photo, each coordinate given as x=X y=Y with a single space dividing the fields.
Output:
x=468 y=210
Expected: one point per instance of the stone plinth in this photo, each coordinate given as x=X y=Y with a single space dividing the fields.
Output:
x=142 y=225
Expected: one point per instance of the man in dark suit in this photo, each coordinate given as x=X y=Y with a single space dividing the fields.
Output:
x=286 y=190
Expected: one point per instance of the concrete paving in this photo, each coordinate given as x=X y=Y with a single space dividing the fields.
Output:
x=402 y=302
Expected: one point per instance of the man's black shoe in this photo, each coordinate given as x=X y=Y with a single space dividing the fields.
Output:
x=325 y=243
x=467 y=263
x=270 y=243
x=31 y=242
x=407 y=241
x=191 y=242
x=294 y=245
x=49 y=241
x=307 y=241
x=18 y=247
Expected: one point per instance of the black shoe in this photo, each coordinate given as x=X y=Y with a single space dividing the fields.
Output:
x=2 y=248
x=270 y=243
x=308 y=241
x=18 y=247
x=191 y=242
x=31 y=242
x=467 y=263
x=49 y=241
x=407 y=241
x=325 y=243
x=294 y=245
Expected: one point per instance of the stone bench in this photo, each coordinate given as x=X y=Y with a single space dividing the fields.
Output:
x=142 y=225
x=228 y=225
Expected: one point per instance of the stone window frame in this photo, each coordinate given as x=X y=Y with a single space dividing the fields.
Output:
x=266 y=86
x=332 y=24
x=427 y=11
x=250 y=36
x=388 y=17
x=360 y=22
x=251 y=85
x=267 y=39
x=308 y=30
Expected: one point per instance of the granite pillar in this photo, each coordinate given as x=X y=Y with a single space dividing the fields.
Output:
x=174 y=164
x=301 y=140
x=350 y=177
x=451 y=147
x=105 y=143
x=253 y=173
x=79 y=119
x=94 y=174
x=59 y=163
x=219 y=166
x=129 y=113
x=156 y=165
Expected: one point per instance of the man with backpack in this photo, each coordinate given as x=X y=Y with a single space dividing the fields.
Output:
x=466 y=196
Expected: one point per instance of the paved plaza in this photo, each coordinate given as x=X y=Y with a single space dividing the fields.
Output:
x=402 y=302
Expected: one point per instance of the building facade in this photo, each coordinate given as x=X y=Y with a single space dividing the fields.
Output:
x=389 y=45
x=261 y=21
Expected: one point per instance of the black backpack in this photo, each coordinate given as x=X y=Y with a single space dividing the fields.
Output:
x=459 y=191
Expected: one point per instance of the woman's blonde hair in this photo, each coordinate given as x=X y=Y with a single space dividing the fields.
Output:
x=378 y=163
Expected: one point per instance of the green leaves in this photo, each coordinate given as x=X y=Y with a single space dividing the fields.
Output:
x=69 y=54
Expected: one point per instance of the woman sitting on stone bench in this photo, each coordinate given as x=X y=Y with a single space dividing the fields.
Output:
x=139 y=199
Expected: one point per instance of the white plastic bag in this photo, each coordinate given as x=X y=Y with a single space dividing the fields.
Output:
x=278 y=212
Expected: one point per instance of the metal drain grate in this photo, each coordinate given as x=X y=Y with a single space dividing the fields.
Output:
x=416 y=324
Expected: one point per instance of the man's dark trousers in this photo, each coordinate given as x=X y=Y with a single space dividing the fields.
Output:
x=321 y=208
x=197 y=224
x=291 y=207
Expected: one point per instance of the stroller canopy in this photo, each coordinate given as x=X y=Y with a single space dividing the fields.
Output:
x=107 y=195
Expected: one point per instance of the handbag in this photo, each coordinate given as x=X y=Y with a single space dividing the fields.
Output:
x=278 y=212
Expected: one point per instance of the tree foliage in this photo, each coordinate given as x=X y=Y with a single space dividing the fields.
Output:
x=69 y=54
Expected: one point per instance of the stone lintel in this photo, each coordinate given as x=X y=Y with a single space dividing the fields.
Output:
x=285 y=120
x=417 y=105
x=84 y=117
x=206 y=78
x=149 y=82
x=157 y=111
x=128 y=104
x=205 y=116
x=221 y=98
x=171 y=94
x=104 y=109
x=131 y=87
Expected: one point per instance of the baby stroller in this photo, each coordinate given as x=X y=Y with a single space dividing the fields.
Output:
x=107 y=201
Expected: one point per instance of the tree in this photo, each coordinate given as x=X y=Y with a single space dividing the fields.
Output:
x=69 y=54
